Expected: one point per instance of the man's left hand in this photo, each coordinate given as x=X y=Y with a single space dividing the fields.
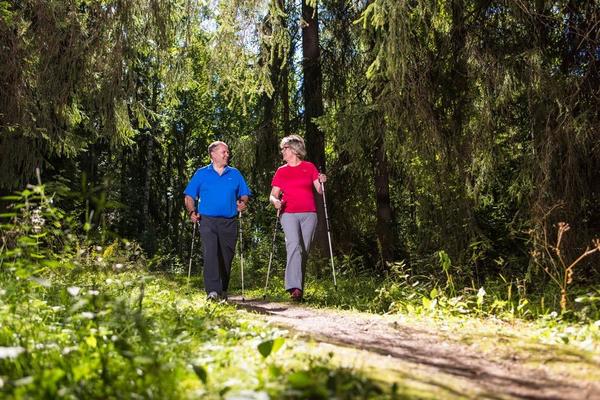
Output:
x=241 y=205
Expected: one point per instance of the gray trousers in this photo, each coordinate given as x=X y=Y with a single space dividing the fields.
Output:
x=219 y=236
x=299 y=229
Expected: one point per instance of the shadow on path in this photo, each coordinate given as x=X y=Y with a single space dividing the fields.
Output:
x=380 y=335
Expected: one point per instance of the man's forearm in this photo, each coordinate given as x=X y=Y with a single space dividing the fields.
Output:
x=190 y=204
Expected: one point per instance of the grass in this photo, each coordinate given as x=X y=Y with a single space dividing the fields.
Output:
x=92 y=332
x=79 y=320
x=101 y=334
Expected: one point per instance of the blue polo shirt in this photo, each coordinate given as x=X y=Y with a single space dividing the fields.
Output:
x=218 y=193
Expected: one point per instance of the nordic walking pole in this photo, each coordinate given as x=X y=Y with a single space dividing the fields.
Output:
x=191 y=253
x=192 y=249
x=241 y=254
x=272 y=251
x=328 y=234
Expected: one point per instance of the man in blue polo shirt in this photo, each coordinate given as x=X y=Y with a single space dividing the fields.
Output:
x=223 y=193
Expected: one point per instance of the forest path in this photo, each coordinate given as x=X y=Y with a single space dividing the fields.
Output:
x=425 y=360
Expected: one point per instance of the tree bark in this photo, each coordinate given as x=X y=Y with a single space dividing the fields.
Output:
x=267 y=146
x=313 y=107
x=284 y=92
x=383 y=228
x=148 y=168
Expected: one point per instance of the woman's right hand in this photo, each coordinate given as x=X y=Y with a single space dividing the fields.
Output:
x=275 y=197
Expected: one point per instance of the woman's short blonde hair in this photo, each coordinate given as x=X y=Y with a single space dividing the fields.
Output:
x=296 y=144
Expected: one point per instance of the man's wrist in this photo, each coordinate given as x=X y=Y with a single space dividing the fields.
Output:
x=191 y=212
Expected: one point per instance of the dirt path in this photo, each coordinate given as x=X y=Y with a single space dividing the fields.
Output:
x=456 y=370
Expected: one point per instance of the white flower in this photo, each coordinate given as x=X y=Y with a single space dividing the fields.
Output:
x=10 y=352
x=117 y=266
x=87 y=315
x=73 y=290
x=37 y=220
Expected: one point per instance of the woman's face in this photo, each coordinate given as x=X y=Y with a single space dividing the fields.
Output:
x=287 y=153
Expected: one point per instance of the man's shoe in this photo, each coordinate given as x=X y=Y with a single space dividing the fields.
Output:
x=296 y=294
x=213 y=296
x=224 y=296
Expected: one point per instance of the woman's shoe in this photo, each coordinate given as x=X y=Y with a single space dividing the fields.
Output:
x=296 y=294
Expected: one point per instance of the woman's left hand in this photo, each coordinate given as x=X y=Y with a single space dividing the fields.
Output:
x=322 y=178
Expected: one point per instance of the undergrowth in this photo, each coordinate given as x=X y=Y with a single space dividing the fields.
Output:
x=82 y=318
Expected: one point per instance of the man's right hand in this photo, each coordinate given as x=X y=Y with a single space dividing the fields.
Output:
x=195 y=217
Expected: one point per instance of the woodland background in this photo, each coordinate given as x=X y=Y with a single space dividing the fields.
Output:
x=456 y=135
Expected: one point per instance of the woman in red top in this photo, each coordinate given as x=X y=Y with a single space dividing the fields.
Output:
x=296 y=180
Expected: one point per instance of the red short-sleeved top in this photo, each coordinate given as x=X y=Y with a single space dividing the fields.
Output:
x=297 y=186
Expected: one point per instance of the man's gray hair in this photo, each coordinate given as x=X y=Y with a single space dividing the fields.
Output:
x=296 y=143
x=214 y=144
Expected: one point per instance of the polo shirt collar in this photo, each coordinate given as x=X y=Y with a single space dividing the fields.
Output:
x=212 y=167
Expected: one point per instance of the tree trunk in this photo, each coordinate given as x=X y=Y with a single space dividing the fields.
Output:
x=385 y=237
x=313 y=107
x=381 y=175
x=284 y=88
x=285 y=98
x=148 y=167
x=147 y=184
x=267 y=146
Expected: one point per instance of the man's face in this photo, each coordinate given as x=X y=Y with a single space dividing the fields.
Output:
x=220 y=155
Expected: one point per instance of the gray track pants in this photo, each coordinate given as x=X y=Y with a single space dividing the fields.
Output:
x=219 y=236
x=299 y=229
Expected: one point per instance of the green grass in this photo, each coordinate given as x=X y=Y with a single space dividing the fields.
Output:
x=89 y=331
x=80 y=320
x=101 y=334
